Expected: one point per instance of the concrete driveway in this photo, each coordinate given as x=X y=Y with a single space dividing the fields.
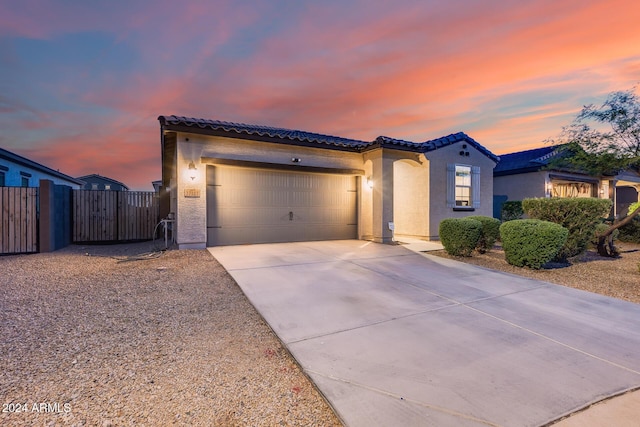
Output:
x=394 y=337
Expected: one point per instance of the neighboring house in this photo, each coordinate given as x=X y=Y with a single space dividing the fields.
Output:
x=231 y=183
x=98 y=182
x=526 y=174
x=18 y=171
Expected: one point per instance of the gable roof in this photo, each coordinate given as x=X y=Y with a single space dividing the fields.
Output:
x=525 y=161
x=95 y=178
x=434 y=144
x=297 y=137
x=15 y=158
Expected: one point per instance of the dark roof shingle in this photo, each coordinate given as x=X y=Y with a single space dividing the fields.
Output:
x=316 y=138
x=525 y=161
x=258 y=130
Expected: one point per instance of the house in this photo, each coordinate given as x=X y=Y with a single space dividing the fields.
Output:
x=98 y=182
x=526 y=174
x=18 y=171
x=231 y=183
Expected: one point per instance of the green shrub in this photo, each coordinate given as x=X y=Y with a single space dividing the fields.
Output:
x=578 y=215
x=511 y=210
x=531 y=242
x=631 y=231
x=460 y=236
x=600 y=229
x=489 y=234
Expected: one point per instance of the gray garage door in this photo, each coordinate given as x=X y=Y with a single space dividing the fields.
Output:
x=246 y=205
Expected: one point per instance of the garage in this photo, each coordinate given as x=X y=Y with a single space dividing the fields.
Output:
x=255 y=205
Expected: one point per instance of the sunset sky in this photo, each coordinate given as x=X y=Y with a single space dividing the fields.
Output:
x=83 y=81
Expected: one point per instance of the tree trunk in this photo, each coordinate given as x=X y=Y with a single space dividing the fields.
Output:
x=605 y=241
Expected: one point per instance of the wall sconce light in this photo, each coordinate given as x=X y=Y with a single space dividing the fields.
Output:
x=369 y=182
x=192 y=171
x=549 y=188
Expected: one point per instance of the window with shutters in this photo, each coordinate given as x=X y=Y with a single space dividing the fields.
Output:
x=463 y=187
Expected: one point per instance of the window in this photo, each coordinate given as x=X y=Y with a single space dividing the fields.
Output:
x=24 y=178
x=107 y=186
x=463 y=187
x=1 y=178
x=94 y=186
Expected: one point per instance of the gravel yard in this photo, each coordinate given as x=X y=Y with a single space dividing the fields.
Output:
x=615 y=277
x=92 y=337
x=91 y=341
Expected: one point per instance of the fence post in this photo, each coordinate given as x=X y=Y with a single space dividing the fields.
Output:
x=47 y=216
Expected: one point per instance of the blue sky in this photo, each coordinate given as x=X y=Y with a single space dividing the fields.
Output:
x=83 y=82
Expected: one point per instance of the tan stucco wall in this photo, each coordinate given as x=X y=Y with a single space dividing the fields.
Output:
x=365 y=205
x=438 y=175
x=408 y=188
x=521 y=186
x=411 y=198
x=191 y=227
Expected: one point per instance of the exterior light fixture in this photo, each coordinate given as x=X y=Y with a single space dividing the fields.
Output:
x=192 y=171
x=369 y=182
x=549 y=188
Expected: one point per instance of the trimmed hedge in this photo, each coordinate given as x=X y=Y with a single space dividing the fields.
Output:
x=531 y=242
x=578 y=215
x=511 y=210
x=489 y=234
x=460 y=236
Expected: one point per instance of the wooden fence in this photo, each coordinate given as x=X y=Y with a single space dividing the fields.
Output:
x=18 y=220
x=109 y=216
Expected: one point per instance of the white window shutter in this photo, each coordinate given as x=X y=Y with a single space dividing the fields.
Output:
x=475 y=186
x=451 y=185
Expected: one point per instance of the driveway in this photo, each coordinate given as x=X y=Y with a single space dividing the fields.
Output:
x=394 y=337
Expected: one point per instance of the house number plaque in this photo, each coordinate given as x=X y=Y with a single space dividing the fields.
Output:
x=192 y=192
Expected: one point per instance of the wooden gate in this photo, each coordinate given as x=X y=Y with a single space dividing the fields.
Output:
x=18 y=220
x=109 y=216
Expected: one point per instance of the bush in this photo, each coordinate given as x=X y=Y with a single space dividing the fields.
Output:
x=630 y=232
x=511 y=210
x=578 y=215
x=600 y=229
x=460 y=236
x=489 y=234
x=531 y=242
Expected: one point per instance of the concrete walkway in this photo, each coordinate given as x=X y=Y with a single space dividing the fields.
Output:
x=395 y=337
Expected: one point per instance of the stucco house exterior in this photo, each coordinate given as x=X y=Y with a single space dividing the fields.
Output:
x=18 y=171
x=230 y=183
x=526 y=174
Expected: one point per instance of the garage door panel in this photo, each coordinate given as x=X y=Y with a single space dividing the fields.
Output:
x=259 y=206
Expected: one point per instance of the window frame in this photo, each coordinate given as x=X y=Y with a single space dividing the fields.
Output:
x=474 y=187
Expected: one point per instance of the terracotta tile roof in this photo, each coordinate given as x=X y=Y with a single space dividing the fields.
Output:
x=309 y=138
x=263 y=131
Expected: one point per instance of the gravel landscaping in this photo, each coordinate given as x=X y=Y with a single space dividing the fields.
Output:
x=123 y=335
x=93 y=338
x=615 y=277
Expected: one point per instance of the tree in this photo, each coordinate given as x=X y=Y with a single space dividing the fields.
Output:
x=604 y=141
